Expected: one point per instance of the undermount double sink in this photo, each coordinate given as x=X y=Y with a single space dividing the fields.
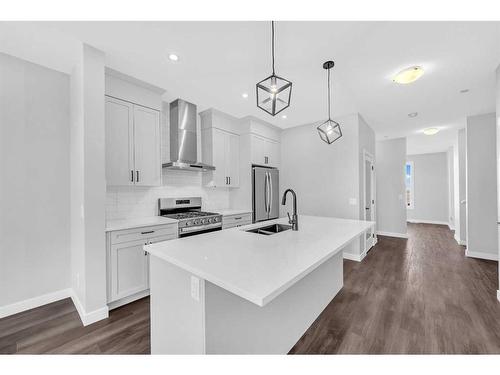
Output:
x=270 y=229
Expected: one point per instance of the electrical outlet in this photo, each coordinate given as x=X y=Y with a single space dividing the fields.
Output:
x=195 y=288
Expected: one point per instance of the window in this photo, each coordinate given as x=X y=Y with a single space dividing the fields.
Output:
x=409 y=176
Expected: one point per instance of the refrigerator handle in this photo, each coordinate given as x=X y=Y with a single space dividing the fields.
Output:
x=265 y=192
x=268 y=208
x=270 y=193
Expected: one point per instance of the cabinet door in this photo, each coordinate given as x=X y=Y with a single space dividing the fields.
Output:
x=219 y=146
x=233 y=159
x=128 y=269
x=258 y=152
x=119 y=142
x=147 y=158
x=273 y=153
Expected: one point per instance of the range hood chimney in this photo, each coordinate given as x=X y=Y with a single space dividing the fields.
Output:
x=183 y=153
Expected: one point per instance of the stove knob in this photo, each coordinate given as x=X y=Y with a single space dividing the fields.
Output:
x=188 y=223
x=204 y=221
x=210 y=220
x=196 y=222
x=216 y=219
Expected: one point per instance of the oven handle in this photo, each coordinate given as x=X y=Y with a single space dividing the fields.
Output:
x=199 y=228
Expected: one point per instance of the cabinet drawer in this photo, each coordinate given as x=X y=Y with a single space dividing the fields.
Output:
x=234 y=220
x=143 y=233
x=237 y=224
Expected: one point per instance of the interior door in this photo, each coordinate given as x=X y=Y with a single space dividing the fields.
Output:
x=147 y=146
x=119 y=142
x=369 y=199
x=260 y=196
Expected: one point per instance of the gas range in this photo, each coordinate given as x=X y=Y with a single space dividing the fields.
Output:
x=188 y=212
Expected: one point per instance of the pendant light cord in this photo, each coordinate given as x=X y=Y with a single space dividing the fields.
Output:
x=272 y=42
x=329 y=101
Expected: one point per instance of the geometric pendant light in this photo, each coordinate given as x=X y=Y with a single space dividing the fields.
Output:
x=329 y=131
x=274 y=92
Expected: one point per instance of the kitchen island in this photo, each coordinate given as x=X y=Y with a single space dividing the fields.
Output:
x=235 y=291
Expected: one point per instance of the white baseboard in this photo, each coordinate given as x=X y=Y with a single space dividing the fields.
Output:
x=124 y=301
x=422 y=221
x=480 y=255
x=451 y=226
x=392 y=234
x=31 y=303
x=89 y=317
x=498 y=295
x=354 y=257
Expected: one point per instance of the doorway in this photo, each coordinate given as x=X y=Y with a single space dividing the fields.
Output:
x=369 y=197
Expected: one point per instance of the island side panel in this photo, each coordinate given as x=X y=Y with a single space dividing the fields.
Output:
x=237 y=326
x=177 y=319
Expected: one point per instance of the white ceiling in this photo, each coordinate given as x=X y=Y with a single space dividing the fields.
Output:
x=221 y=60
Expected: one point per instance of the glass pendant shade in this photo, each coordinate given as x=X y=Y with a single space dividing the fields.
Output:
x=273 y=94
x=329 y=131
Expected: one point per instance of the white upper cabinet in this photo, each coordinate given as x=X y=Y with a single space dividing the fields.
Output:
x=147 y=152
x=220 y=148
x=132 y=144
x=119 y=142
x=264 y=151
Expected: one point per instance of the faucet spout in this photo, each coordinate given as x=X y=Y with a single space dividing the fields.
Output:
x=294 y=220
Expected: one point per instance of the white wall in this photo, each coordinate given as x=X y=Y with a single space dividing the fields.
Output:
x=34 y=187
x=497 y=101
x=482 y=237
x=391 y=206
x=431 y=198
x=88 y=247
x=325 y=177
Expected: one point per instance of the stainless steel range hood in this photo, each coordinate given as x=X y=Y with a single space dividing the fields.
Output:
x=183 y=153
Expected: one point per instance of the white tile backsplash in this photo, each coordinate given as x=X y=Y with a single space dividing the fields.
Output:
x=126 y=202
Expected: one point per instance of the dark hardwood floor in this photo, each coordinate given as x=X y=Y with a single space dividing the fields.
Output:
x=419 y=295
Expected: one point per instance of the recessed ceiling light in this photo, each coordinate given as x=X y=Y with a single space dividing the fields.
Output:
x=408 y=75
x=283 y=116
x=464 y=91
x=173 y=57
x=431 y=131
x=413 y=114
x=244 y=95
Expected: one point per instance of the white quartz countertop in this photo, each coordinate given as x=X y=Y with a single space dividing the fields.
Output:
x=233 y=211
x=258 y=267
x=112 y=225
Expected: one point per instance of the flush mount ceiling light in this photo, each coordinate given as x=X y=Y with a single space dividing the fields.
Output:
x=431 y=131
x=283 y=116
x=408 y=75
x=273 y=92
x=244 y=95
x=329 y=131
x=173 y=57
x=413 y=114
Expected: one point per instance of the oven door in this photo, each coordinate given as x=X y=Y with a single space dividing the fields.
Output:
x=191 y=231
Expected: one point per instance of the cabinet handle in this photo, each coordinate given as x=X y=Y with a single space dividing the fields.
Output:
x=136 y=176
x=148 y=232
x=145 y=252
x=229 y=180
x=237 y=218
x=131 y=176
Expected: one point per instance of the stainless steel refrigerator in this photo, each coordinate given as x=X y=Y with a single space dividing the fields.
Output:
x=265 y=193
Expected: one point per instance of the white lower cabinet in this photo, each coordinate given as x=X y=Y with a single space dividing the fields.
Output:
x=128 y=264
x=231 y=221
